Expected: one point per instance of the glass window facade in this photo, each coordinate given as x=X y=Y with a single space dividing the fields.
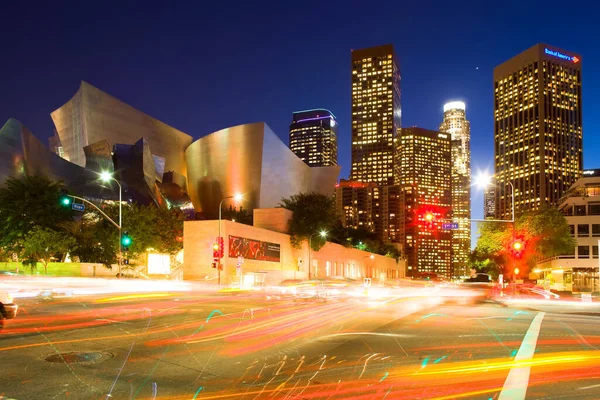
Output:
x=537 y=129
x=313 y=137
x=376 y=115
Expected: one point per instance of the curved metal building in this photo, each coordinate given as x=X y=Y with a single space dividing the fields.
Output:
x=93 y=115
x=250 y=159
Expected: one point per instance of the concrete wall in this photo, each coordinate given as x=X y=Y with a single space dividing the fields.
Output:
x=274 y=219
x=331 y=260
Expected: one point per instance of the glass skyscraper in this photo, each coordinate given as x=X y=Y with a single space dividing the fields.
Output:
x=426 y=178
x=313 y=137
x=375 y=115
x=537 y=128
x=456 y=124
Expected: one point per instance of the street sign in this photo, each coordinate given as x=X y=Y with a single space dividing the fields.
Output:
x=450 y=225
x=78 y=207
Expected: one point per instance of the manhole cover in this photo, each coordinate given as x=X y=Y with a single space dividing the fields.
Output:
x=79 y=358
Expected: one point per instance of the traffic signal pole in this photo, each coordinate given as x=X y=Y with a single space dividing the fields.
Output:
x=118 y=226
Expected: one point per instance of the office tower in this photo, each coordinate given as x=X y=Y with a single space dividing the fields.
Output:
x=426 y=178
x=372 y=207
x=537 y=128
x=375 y=115
x=489 y=202
x=313 y=137
x=456 y=124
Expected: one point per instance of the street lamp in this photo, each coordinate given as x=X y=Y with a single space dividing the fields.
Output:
x=484 y=180
x=237 y=197
x=323 y=234
x=106 y=177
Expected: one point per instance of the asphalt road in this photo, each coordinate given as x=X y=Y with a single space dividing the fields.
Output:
x=233 y=346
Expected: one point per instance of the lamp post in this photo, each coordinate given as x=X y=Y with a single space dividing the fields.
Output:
x=236 y=197
x=107 y=177
x=484 y=180
x=323 y=234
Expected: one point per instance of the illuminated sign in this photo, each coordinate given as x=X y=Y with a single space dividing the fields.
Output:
x=254 y=249
x=560 y=55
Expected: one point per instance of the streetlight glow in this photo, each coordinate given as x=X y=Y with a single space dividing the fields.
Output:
x=323 y=233
x=483 y=180
x=238 y=197
x=105 y=176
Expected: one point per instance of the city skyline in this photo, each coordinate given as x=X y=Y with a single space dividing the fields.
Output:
x=195 y=97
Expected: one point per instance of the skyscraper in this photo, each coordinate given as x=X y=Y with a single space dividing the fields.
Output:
x=375 y=115
x=489 y=202
x=537 y=128
x=426 y=177
x=456 y=124
x=375 y=208
x=313 y=137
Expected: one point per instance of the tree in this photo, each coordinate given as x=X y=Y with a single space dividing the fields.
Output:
x=312 y=212
x=544 y=232
x=97 y=240
x=240 y=216
x=43 y=244
x=26 y=203
x=149 y=227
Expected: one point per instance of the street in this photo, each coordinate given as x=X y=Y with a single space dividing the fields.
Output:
x=201 y=344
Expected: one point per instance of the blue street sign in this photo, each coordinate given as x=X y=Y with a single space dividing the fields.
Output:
x=451 y=225
x=78 y=207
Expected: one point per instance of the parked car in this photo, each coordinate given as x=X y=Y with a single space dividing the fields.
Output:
x=8 y=309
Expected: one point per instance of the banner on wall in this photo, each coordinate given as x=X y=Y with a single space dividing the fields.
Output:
x=254 y=249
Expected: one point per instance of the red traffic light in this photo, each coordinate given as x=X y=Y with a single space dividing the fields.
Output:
x=215 y=250
x=221 y=247
x=517 y=247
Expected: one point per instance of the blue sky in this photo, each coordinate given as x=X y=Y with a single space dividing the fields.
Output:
x=205 y=66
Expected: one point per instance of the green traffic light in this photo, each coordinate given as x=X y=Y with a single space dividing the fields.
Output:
x=126 y=241
x=66 y=201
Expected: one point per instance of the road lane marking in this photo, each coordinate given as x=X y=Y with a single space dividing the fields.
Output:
x=588 y=387
x=515 y=386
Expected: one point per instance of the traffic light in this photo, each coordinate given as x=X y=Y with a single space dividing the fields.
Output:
x=428 y=220
x=65 y=200
x=516 y=271
x=517 y=247
x=215 y=251
x=221 y=247
x=126 y=241
x=214 y=265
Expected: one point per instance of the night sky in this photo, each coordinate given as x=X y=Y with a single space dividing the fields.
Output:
x=207 y=66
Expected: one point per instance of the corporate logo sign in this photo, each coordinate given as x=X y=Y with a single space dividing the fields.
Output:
x=558 y=54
